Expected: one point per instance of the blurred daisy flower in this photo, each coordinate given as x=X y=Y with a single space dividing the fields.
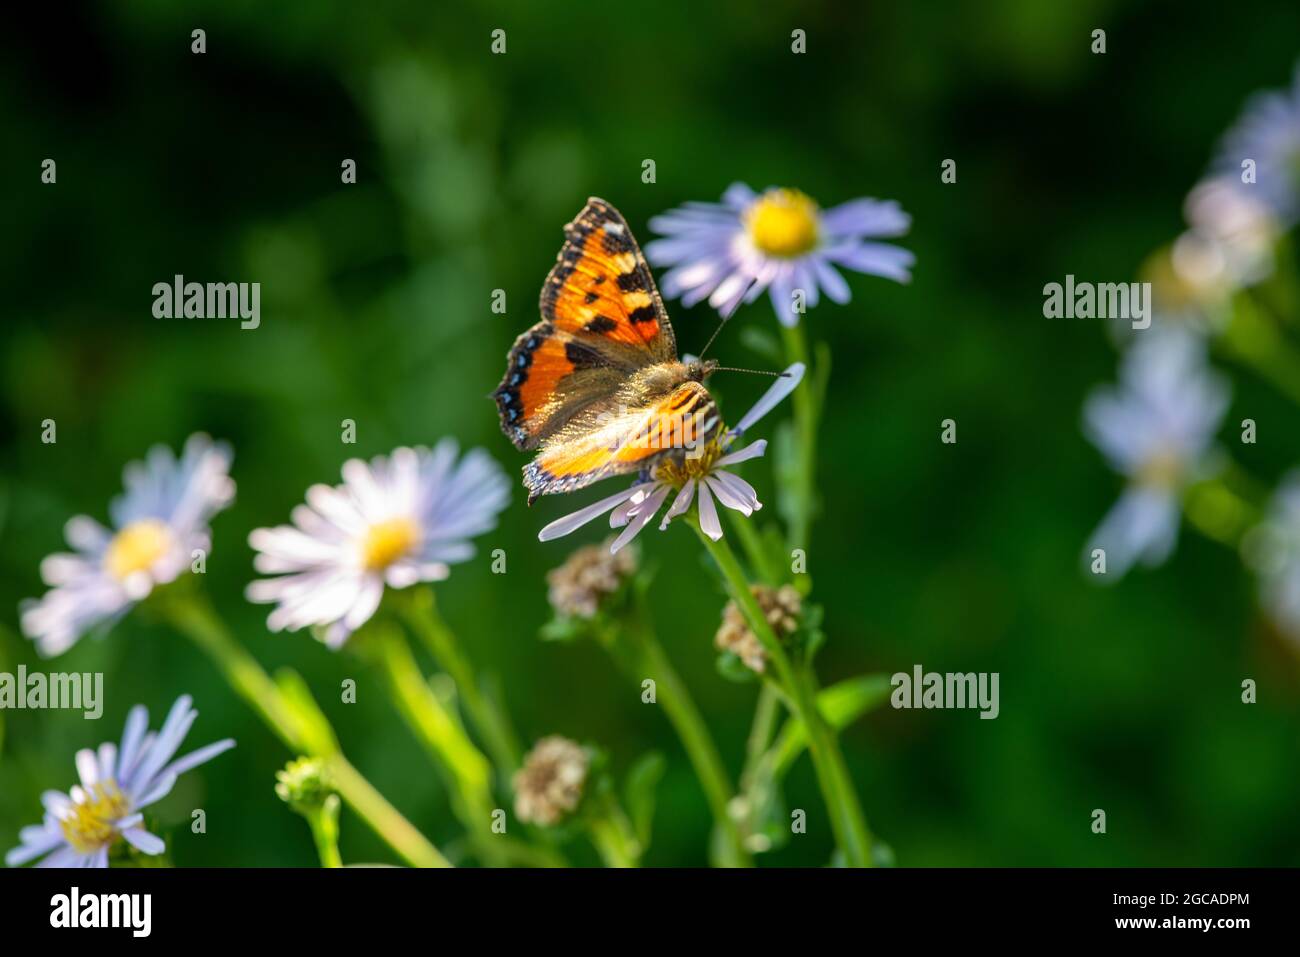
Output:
x=779 y=240
x=702 y=477
x=157 y=527
x=1156 y=428
x=1234 y=235
x=117 y=783
x=394 y=521
x=1228 y=246
x=1268 y=133
x=1273 y=550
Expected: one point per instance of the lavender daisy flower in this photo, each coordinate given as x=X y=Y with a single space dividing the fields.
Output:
x=117 y=783
x=780 y=241
x=158 y=525
x=394 y=521
x=702 y=479
x=1156 y=428
x=1268 y=132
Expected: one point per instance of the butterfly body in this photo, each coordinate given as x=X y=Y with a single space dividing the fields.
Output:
x=596 y=386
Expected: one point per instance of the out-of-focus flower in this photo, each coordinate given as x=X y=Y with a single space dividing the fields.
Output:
x=777 y=240
x=549 y=786
x=1156 y=429
x=1267 y=133
x=117 y=783
x=587 y=577
x=703 y=473
x=1237 y=230
x=1273 y=550
x=781 y=607
x=394 y=521
x=157 y=526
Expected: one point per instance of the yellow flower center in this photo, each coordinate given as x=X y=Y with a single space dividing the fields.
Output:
x=136 y=548
x=1162 y=470
x=387 y=541
x=678 y=473
x=89 y=824
x=783 y=222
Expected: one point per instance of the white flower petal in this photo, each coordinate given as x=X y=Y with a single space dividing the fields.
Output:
x=143 y=841
x=569 y=523
x=680 y=504
x=734 y=492
x=87 y=767
x=751 y=451
x=29 y=850
x=709 y=523
x=784 y=385
x=641 y=519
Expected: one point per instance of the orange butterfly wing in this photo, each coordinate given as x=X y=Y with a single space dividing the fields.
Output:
x=602 y=320
x=682 y=422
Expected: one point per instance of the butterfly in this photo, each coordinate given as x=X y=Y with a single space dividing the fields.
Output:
x=596 y=386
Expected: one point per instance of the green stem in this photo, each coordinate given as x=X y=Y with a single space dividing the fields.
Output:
x=612 y=834
x=464 y=768
x=803 y=503
x=694 y=734
x=324 y=824
x=420 y=612
x=847 y=820
x=383 y=818
x=755 y=551
x=195 y=618
x=766 y=710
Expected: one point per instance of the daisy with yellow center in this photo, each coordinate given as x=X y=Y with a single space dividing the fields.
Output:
x=395 y=521
x=118 y=781
x=158 y=528
x=779 y=241
x=700 y=478
x=783 y=222
x=137 y=548
x=389 y=541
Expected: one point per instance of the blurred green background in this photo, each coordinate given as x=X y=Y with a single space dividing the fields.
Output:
x=375 y=307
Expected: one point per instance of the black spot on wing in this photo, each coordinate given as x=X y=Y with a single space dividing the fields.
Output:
x=633 y=281
x=642 y=314
x=581 y=356
x=600 y=325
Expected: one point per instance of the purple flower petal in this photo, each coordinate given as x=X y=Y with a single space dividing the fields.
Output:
x=874 y=259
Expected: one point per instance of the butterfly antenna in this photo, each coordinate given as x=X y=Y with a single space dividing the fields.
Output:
x=775 y=375
x=735 y=304
x=712 y=337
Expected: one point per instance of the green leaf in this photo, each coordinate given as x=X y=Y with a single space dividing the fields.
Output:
x=639 y=793
x=841 y=704
x=733 y=669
